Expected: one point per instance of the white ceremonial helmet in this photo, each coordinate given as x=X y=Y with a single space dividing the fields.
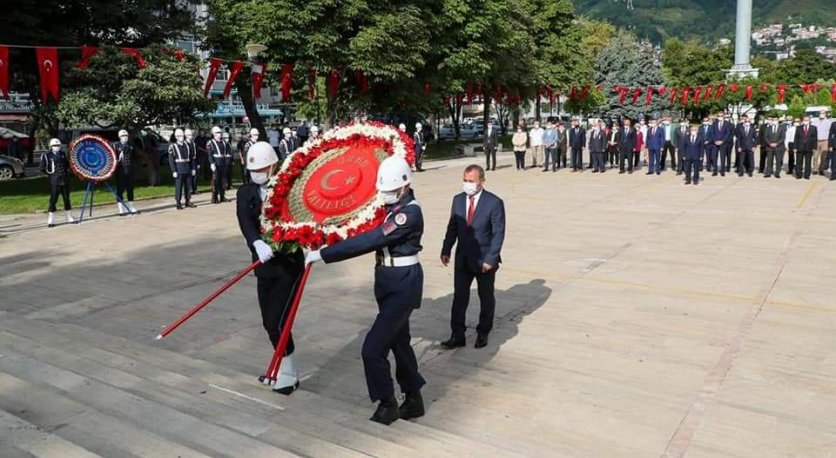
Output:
x=253 y=131
x=418 y=126
x=123 y=133
x=225 y=135
x=286 y=131
x=261 y=155
x=314 y=130
x=216 y=130
x=402 y=127
x=189 y=134
x=54 y=142
x=178 y=134
x=393 y=173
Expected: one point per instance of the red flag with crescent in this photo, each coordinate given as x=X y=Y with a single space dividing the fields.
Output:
x=286 y=81
x=133 y=52
x=258 y=72
x=720 y=89
x=234 y=69
x=648 y=97
x=622 y=94
x=674 y=94
x=86 y=53
x=749 y=92
x=782 y=92
x=637 y=92
x=4 y=71
x=214 y=65
x=48 y=70
x=686 y=92
x=697 y=93
x=709 y=90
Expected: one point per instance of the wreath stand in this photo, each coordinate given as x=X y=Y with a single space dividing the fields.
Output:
x=88 y=194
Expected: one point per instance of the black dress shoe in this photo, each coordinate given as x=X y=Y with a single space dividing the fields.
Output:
x=453 y=342
x=387 y=412
x=179 y=207
x=777 y=176
x=412 y=407
x=481 y=341
x=687 y=181
x=191 y=205
x=287 y=389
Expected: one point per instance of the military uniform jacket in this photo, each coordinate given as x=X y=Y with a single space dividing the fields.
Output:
x=399 y=235
x=56 y=166
x=248 y=209
x=192 y=146
x=418 y=139
x=124 y=156
x=246 y=150
x=285 y=148
x=180 y=158
x=220 y=152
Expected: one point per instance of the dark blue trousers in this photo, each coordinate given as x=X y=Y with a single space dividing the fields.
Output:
x=398 y=291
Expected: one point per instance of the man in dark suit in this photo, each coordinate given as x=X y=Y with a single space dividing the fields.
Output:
x=773 y=147
x=655 y=142
x=490 y=144
x=806 y=137
x=562 y=144
x=477 y=223
x=705 y=130
x=721 y=139
x=692 y=144
x=747 y=139
x=577 y=141
x=832 y=144
x=679 y=137
x=597 y=147
x=626 y=145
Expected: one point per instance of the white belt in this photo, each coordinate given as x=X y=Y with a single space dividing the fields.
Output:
x=182 y=160
x=401 y=261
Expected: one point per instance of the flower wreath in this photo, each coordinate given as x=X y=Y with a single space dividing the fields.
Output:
x=283 y=232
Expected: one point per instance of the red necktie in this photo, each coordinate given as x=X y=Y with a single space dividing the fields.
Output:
x=471 y=210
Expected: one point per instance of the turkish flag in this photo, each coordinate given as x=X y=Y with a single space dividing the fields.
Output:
x=4 y=71
x=637 y=92
x=782 y=91
x=585 y=92
x=258 y=72
x=749 y=92
x=697 y=92
x=833 y=92
x=333 y=83
x=720 y=89
x=133 y=52
x=622 y=94
x=86 y=53
x=674 y=94
x=234 y=70
x=686 y=91
x=214 y=65
x=709 y=90
x=48 y=69
x=286 y=79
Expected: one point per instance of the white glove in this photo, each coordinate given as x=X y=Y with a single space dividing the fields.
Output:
x=312 y=257
x=194 y=172
x=264 y=252
x=212 y=166
x=174 y=174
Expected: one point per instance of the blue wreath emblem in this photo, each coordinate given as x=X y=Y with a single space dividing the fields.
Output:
x=92 y=158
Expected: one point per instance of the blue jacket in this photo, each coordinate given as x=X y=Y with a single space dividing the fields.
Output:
x=692 y=150
x=746 y=142
x=481 y=242
x=724 y=135
x=655 y=141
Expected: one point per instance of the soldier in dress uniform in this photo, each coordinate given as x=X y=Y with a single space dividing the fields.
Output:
x=420 y=146
x=242 y=155
x=124 y=173
x=279 y=273
x=54 y=163
x=286 y=145
x=230 y=160
x=314 y=136
x=398 y=287
x=181 y=162
x=218 y=150
x=192 y=146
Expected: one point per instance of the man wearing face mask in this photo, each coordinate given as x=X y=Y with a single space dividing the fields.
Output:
x=279 y=273
x=705 y=130
x=190 y=144
x=490 y=144
x=218 y=150
x=55 y=165
x=791 y=126
x=822 y=155
x=398 y=288
x=124 y=173
x=805 y=143
x=721 y=138
x=230 y=160
x=181 y=162
x=286 y=146
x=477 y=228
x=747 y=138
x=420 y=146
x=242 y=156
x=535 y=141
x=692 y=144
x=315 y=135
x=773 y=147
x=655 y=140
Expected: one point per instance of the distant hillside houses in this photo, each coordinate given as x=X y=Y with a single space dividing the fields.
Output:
x=779 y=40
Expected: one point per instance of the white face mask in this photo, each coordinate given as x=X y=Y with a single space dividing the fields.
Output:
x=56 y=149
x=254 y=137
x=260 y=177
x=390 y=197
x=123 y=140
x=470 y=188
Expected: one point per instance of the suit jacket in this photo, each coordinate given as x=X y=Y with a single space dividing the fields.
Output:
x=832 y=136
x=723 y=134
x=481 y=242
x=491 y=141
x=692 y=150
x=562 y=139
x=806 y=143
x=597 y=143
x=577 y=140
x=655 y=140
x=679 y=138
x=773 y=134
x=248 y=209
x=746 y=141
x=627 y=140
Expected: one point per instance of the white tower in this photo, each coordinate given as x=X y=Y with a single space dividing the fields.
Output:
x=742 y=42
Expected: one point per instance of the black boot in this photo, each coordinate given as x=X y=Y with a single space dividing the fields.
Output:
x=387 y=412
x=413 y=406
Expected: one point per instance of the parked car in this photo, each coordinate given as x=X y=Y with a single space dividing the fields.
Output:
x=10 y=168
x=466 y=131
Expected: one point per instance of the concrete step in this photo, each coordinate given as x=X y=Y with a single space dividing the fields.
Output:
x=18 y=437
x=309 y=414
x=81 y=424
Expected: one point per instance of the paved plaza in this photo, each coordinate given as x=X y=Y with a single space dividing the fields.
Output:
x=636 y=317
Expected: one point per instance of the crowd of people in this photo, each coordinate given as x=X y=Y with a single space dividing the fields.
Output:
x=716 y=145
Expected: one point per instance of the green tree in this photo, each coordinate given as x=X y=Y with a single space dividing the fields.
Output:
x=807 y=66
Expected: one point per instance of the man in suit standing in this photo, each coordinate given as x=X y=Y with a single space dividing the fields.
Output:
x=747 y=138
x=562 y=144
x=655 y=143
x=679 y=137
x=668 y=146
x=721 y=139
x=806 y=137
x=490 y=143
x=597 y=147
x=577 y=142
x=705 y=130
x=692 y=144
x=773 y=147
x=550 y=142
x=626 y=145
x=477 y=223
